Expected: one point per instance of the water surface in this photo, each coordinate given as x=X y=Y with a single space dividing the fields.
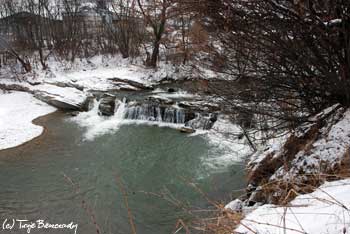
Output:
x=148 y=160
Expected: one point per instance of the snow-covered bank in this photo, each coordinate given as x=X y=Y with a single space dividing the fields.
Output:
x=95 y=73
x=325 y=211
x=315 y=152
x=17 y=111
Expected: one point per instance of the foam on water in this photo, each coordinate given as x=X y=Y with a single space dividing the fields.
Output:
x=97 y=125
x=225 y=150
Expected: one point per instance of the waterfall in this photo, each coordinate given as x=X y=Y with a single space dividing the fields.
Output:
x=120 y=109
x=174 y=115
x=154 y=112
x=180 y=116
x=146 y=112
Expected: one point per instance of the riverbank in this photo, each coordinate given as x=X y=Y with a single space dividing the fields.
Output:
x=17 y=112
x=301 y=185
x=44 y=140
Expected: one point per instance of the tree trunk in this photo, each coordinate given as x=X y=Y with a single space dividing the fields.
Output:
x=155 y=54
x=42 y=59
x=25 y=64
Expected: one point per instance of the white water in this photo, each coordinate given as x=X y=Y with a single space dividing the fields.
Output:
x=218 y=138
x=97 y=125
x=120 y=111
x=223 y=138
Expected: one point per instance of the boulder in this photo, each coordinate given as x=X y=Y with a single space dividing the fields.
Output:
x=137 y=85
x=58 y=103
x=189 y=115
x=88 y=104
x=187 y=130
x=160 y=100
x=74 y=113
x=107 y=105
x=235 y=205
x=68 y=99
x=202 y=122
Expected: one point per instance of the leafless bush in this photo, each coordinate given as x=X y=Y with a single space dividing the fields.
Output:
x=289 y=60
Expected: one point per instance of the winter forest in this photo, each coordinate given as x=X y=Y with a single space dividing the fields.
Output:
x=175 y=116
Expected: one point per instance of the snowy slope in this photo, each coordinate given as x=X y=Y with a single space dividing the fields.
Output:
x=17 y=110
x=325 y=211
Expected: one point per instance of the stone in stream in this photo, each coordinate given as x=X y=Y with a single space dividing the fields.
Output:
x=202 y=122
x=88 y=104
x=187 y=130
x=74 y=113
x=107 y=105
x=171 y=90
x=189 y=115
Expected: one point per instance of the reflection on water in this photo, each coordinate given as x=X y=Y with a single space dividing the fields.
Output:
x=148 y=159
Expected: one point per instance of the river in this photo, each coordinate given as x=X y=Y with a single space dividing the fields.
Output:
x=147 y=159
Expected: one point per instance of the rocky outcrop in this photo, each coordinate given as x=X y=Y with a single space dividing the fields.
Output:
x=66 y=85
x=61 y=96
x=200 y=106
x=14 y=87
x=61 y=103
x=68 y=99
x=201 y=121
x=107 y=105
x=88 y=104
x=129 y=85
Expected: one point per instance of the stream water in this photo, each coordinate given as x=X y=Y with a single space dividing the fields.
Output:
x=148 y=159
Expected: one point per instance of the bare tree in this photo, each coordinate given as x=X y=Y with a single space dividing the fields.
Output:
x=155 y=13
x=289 y=59
x=73 y=27
x=4 y=45
x=126 y=28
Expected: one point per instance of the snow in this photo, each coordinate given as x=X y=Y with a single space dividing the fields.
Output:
x=94 y=73
x=17 y=110
x=325 y=112
x=325 y=211
x=333 y=22
x=159 y=93
x=235 y=205
x=67 y=94
x=328 y=151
